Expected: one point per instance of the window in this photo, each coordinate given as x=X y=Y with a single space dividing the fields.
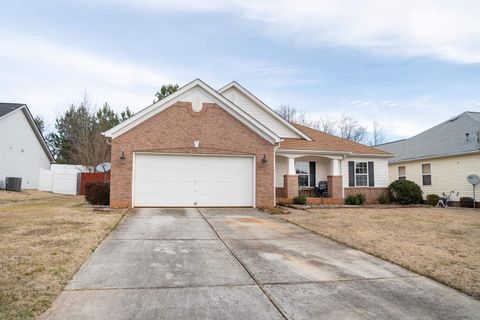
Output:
x=361 y=174
x=402 y=173
x=303 y=171
x=426 y=174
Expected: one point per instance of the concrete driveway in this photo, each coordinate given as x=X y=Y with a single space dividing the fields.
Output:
x=243 y=264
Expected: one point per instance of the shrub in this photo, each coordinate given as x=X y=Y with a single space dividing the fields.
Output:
x=466 y=202
x=383 y=198
x=432 y=199
x=300 y=200
x=355 y=199
x=405 y=192
x=98 y=193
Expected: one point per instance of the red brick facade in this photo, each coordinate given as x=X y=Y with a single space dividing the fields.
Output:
x=335 y=186
x=174 y=130
x=371 y=193
x=290 y=186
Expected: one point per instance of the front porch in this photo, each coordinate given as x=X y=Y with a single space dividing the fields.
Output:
x=317 y=177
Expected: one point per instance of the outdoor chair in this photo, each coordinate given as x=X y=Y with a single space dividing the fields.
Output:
x=322 y=189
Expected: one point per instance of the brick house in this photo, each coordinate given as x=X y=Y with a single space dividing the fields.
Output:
x=202 y=147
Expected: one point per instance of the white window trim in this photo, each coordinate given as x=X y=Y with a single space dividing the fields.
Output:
x=428 y=174
x=362 y=174
x=304 y=174
x=398 y=172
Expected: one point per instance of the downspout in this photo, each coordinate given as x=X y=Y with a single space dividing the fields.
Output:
x=276 y=146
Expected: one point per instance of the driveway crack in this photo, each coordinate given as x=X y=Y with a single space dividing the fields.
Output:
x=265 y=292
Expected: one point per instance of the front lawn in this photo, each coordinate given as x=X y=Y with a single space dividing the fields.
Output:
x=443 y=244
x=44 y=238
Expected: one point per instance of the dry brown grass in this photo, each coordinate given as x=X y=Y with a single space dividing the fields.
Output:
x=44 y=238
x=443 y=244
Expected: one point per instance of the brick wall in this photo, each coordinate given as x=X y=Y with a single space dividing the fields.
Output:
x=335 y=186
x=370 y=193
x=174 y=130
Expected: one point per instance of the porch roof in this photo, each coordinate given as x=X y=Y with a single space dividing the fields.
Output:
x=322 y=141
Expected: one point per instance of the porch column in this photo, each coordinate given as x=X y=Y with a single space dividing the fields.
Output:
x=290 y=180
x=334 y=180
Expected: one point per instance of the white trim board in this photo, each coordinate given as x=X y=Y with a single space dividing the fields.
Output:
x=171 y=99
x=265 y=107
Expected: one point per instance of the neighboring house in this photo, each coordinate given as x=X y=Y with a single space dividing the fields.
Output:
x=202 y=147
x=439 y=159
x=23 y=150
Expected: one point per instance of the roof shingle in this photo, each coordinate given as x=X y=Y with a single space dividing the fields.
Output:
x=322 y=141
x=447 y=138
x=6 y=108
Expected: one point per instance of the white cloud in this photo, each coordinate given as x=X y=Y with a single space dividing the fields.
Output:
x=49 y=76
x=443 y=29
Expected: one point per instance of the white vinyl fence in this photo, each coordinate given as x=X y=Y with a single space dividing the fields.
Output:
x=61 y=179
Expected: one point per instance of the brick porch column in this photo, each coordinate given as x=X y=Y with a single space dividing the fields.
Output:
x=290 y=186
x=335 y=186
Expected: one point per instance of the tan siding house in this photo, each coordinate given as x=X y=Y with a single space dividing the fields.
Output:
x=448 y=174
x=440 y=159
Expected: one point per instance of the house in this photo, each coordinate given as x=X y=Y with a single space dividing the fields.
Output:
x=23 y=150
x=203 y=147
x=440 y=158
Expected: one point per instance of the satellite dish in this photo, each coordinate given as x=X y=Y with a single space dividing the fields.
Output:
x=103 y=167
x=473 y=179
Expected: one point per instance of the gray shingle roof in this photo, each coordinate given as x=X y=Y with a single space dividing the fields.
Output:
x=6 y=108
x=447 y=138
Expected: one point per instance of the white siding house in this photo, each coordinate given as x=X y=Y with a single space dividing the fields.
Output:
x=22 y=148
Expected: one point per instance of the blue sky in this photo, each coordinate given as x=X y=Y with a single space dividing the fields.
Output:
x=406 y=64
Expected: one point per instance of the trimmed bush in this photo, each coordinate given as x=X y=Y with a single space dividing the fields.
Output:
x=432 y=199
x=355 y=199
x=300 y=200
x=405 y=192
x=98 y=193
x=383 y=198
x=466 y=202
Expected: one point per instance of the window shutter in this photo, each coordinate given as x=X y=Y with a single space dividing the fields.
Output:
x=371 y=174
x=313 y=174
x=351 y=173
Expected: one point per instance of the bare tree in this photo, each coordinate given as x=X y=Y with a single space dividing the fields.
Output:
x=378 y=134
x=287 y=112
x=351 y=130
x=326 y=125
x=303 y=119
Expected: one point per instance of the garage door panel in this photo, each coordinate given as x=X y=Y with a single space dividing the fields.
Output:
x=193 y=180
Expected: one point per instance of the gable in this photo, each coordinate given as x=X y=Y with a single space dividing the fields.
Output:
x=177 y=128
x=257 y=109
x=197 y=93
x=19 y=115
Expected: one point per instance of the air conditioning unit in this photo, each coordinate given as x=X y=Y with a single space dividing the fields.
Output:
x=13 y=184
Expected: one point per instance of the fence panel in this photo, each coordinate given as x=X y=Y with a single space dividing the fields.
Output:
x=86 y=177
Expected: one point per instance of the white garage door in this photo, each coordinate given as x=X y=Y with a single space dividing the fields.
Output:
x=193 y=180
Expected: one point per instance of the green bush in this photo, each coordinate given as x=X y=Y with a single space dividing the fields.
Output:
x=355 y=199
x=383 y=198
x=405 y=192
x=300 y=200
x=432 y=199
x=466 y=202
x=98 y=193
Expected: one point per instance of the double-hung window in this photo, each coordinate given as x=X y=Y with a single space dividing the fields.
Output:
x=426 y=174
x=402 y=173
x=361 y=174
x=302 y=169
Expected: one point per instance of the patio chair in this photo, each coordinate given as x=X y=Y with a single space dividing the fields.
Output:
x=322 y=189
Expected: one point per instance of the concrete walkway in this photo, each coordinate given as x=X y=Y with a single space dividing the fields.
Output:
x=243 y=264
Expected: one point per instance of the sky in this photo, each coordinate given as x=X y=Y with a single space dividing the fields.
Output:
x=406 y=64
